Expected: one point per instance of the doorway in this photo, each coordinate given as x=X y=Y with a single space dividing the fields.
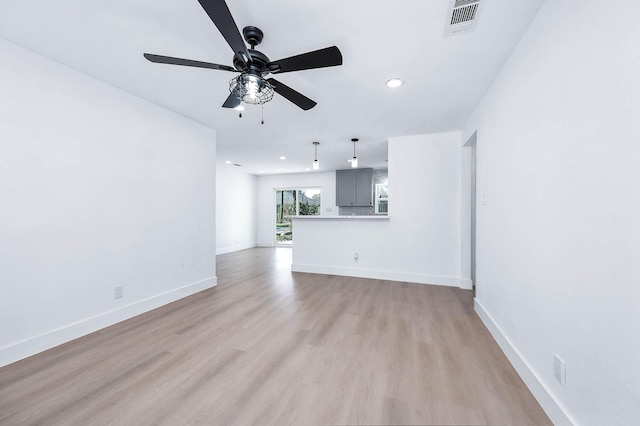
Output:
x=294 y=202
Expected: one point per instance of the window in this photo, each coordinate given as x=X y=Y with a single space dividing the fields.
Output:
x=294 y=202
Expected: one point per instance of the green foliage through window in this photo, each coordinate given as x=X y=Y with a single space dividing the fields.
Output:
x=292 y=202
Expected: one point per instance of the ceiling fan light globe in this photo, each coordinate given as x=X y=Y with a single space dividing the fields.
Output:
x=251 y=89
x=252 y=85
x=316 y=165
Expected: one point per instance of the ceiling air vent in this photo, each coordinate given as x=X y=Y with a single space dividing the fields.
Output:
x=461 y=16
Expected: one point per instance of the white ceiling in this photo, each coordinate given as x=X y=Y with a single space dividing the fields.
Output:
x=445 y=77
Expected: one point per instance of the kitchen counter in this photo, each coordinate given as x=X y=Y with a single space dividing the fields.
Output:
x=335 y=217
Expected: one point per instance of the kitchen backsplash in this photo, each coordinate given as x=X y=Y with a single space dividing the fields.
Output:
x=356 y=211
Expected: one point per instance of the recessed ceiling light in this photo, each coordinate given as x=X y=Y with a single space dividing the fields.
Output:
x=227 y=162
x=239 y=108
x=394 y=82
x=282 y=157
x=261 y=171
x=307 y=169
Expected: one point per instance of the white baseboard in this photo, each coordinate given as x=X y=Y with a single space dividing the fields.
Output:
x=546 y=399
x=265 y=245
x=17 y=351
x=236 y=247
x=378 y=275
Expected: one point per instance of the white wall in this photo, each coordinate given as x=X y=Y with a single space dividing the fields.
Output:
x=236 y=209
x=267 y=199
x=559 y=239
x=424 y=203
x=421 y=240
x=98 y=188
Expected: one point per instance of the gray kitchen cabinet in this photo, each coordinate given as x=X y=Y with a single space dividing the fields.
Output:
x=354 y=187
x=345 y=183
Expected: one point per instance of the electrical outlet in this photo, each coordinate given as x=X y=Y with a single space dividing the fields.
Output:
x=355 y=257
x=237 y=240
x=118 y=292
x=559 y=370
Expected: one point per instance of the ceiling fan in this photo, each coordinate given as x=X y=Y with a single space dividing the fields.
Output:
x=251 y=86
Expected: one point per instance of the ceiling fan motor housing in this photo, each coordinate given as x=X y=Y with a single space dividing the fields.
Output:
x=257 y=62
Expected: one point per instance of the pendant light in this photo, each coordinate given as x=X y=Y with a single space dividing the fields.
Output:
x=354 y=160
x=316 y=164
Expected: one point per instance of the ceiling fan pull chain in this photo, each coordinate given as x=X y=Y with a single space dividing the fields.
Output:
x=240 y=114
x=262 y=114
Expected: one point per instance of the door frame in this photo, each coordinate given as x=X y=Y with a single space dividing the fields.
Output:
x=469 y=212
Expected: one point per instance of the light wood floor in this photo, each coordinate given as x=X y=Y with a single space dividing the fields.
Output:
x=268 y=346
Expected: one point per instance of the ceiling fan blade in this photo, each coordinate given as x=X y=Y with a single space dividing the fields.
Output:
x=327 y=57
x=219 y=13
x=296 y=97
x=186 y=62
x=231 y=101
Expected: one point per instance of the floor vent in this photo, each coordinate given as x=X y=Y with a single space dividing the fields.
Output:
x=461 y=16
